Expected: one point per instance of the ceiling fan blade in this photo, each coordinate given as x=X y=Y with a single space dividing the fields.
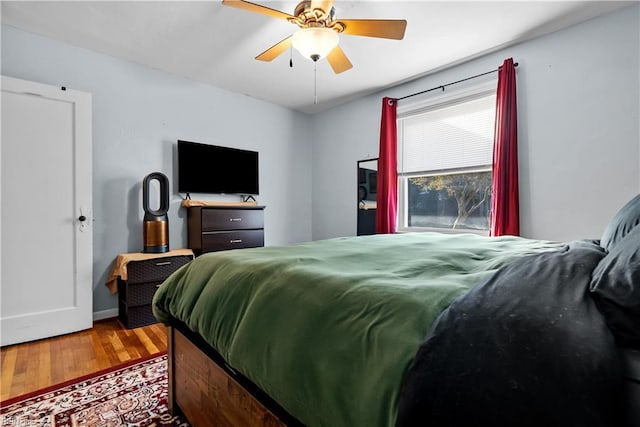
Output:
x=252 y=7
x=383 y=28
x=338 y=60
x=324 y=5
x=275 y=50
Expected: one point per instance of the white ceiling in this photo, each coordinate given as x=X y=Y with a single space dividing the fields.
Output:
x=216 y=44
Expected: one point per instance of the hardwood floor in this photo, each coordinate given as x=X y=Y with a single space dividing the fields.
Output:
x=34 y=365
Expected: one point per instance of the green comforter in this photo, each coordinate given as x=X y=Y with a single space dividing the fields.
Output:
x=329 y=328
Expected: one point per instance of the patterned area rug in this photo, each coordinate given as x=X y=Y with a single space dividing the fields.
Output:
x=130 y=395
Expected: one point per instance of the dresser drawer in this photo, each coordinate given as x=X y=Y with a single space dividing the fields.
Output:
x=224 y=240
x=152 y=270
x=232 y=219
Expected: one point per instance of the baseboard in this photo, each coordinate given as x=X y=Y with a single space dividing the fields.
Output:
x=105 y=314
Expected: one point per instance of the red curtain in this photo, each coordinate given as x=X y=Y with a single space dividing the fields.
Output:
x=505 y=215
x=387 y=197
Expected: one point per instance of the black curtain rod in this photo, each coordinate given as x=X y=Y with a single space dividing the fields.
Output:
x=449 y=84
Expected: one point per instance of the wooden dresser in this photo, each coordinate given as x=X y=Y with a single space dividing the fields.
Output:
x=219 y=228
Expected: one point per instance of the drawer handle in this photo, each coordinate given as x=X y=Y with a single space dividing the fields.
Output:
x=235 y=241
x=158 y=264
x=235 y=219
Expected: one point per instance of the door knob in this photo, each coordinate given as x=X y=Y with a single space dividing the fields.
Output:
x=83 y=218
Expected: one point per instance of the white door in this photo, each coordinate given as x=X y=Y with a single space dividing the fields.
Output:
x=45 y=220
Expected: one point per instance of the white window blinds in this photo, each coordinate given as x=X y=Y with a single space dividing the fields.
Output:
x=456 y=136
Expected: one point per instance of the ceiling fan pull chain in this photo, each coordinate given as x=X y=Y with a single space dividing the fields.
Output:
x=315 y=82
x=291 y=57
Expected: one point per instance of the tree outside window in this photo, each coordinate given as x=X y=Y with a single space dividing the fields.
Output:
x=457 y=201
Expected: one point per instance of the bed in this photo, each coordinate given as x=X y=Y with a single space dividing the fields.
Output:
x=407 y=329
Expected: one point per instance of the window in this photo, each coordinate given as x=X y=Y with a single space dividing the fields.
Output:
x=445 y=152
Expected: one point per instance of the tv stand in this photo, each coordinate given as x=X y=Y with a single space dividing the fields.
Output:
x=213 y=226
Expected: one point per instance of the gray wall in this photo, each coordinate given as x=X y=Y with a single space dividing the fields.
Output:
x=138 y=114
x=578 y=116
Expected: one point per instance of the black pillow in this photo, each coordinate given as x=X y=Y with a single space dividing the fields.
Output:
x=615 y=285
x=621 y=224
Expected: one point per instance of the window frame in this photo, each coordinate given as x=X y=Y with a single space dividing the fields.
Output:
x=407 y=110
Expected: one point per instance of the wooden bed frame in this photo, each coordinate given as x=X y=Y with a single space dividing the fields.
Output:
x=209 y=392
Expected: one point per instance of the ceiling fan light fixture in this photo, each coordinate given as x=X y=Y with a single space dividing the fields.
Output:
x=315 y=43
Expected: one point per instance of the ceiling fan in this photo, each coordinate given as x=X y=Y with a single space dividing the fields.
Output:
x=318 y=34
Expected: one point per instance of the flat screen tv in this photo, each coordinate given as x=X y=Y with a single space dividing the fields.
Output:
x=211 y=169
